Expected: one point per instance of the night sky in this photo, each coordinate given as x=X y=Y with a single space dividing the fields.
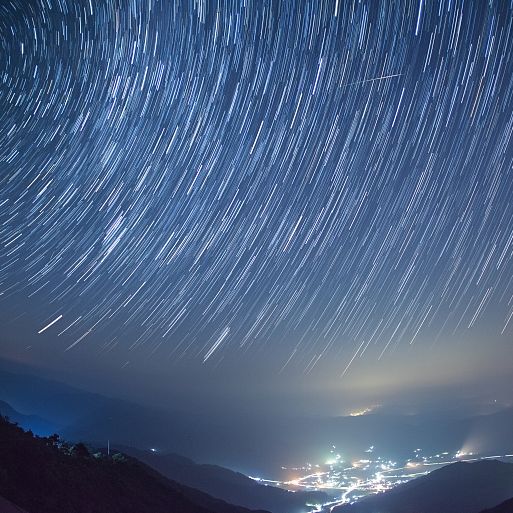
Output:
x=293 y=201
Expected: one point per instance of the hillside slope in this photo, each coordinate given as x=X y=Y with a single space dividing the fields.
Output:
x=459 y=487
x=225 y=484
x=503 y=507
x=43 y=475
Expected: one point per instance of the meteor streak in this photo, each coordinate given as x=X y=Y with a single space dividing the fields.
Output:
x=373 y=79
x=53 y=322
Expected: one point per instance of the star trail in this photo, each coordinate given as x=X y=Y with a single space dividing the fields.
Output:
x=210 y=180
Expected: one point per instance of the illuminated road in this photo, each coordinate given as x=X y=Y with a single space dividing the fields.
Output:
x=349 y=481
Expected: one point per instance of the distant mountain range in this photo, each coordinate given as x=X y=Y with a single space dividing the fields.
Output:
x=462 y=487
x=252 y=446
x=225 y=484
x=35 y=423
x=248 y=445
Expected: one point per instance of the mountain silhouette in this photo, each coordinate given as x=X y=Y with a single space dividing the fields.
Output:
x=462 y=487
x=46 y=475
x=503 y=507
x=225 y=484
x=251 y=445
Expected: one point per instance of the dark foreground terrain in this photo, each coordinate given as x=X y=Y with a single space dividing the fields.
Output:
x=45 y=475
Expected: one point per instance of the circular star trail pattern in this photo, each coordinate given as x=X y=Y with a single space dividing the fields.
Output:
x=206 y=179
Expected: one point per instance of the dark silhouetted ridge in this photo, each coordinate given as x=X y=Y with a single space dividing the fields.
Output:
x=44 y=475
x=460 y=487
x=503 y=507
